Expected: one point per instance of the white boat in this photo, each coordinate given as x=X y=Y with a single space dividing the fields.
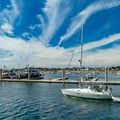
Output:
x=90 y=77
x=32 y=73
x=88 y=92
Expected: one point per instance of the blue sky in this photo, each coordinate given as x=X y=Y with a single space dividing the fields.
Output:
x=45 y=32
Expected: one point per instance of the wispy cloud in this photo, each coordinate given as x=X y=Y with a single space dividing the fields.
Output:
x=23 y=52
x=7 y=28
x=19 y=52
x=54 y=18
x=15 y=8
x=107 y=57
x=82 y=16
x=8 y=16
x=102 y=42
x=99 y=43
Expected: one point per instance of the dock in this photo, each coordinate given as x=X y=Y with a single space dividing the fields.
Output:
x=61 y=81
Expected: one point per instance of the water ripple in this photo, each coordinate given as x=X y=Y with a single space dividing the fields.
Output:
x=20 y=101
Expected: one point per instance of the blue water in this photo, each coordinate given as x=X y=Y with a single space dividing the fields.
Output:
x=44 y=101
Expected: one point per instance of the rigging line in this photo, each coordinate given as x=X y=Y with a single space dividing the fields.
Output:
x=71 y=58
x=69 y=64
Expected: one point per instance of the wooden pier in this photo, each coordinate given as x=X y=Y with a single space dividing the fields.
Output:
x=61 y=81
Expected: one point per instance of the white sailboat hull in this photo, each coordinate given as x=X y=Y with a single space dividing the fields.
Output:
x=87 y=93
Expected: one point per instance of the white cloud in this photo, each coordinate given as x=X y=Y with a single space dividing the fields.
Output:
x=15 y=8
x=7 y=28
x=82 y=16
x=107 y=57
x=32 y=52
x=25 y=34
x=42 y=25
x=54 y=18
x=102 y=42
x=20 y=52
x=8 y=16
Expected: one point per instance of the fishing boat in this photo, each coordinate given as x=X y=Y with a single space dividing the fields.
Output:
x=32 y=73
x=8 y=74
x=87 y=92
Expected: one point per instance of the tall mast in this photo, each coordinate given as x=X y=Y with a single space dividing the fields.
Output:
x=81 y=46
x=81 y=55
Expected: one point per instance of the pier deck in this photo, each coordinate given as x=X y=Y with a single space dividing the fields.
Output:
x=61 y=81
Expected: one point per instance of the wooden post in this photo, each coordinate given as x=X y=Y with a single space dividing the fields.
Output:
x=63 y=77
x=106 y=75
x=80 y=79
x=0 y=73
x=28 y=72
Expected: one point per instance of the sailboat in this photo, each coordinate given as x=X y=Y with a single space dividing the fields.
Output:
x=91 y=92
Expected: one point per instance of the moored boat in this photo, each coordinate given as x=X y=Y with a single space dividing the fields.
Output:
x=89 y=92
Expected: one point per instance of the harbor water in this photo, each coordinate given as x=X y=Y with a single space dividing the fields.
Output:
x=44 y=101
